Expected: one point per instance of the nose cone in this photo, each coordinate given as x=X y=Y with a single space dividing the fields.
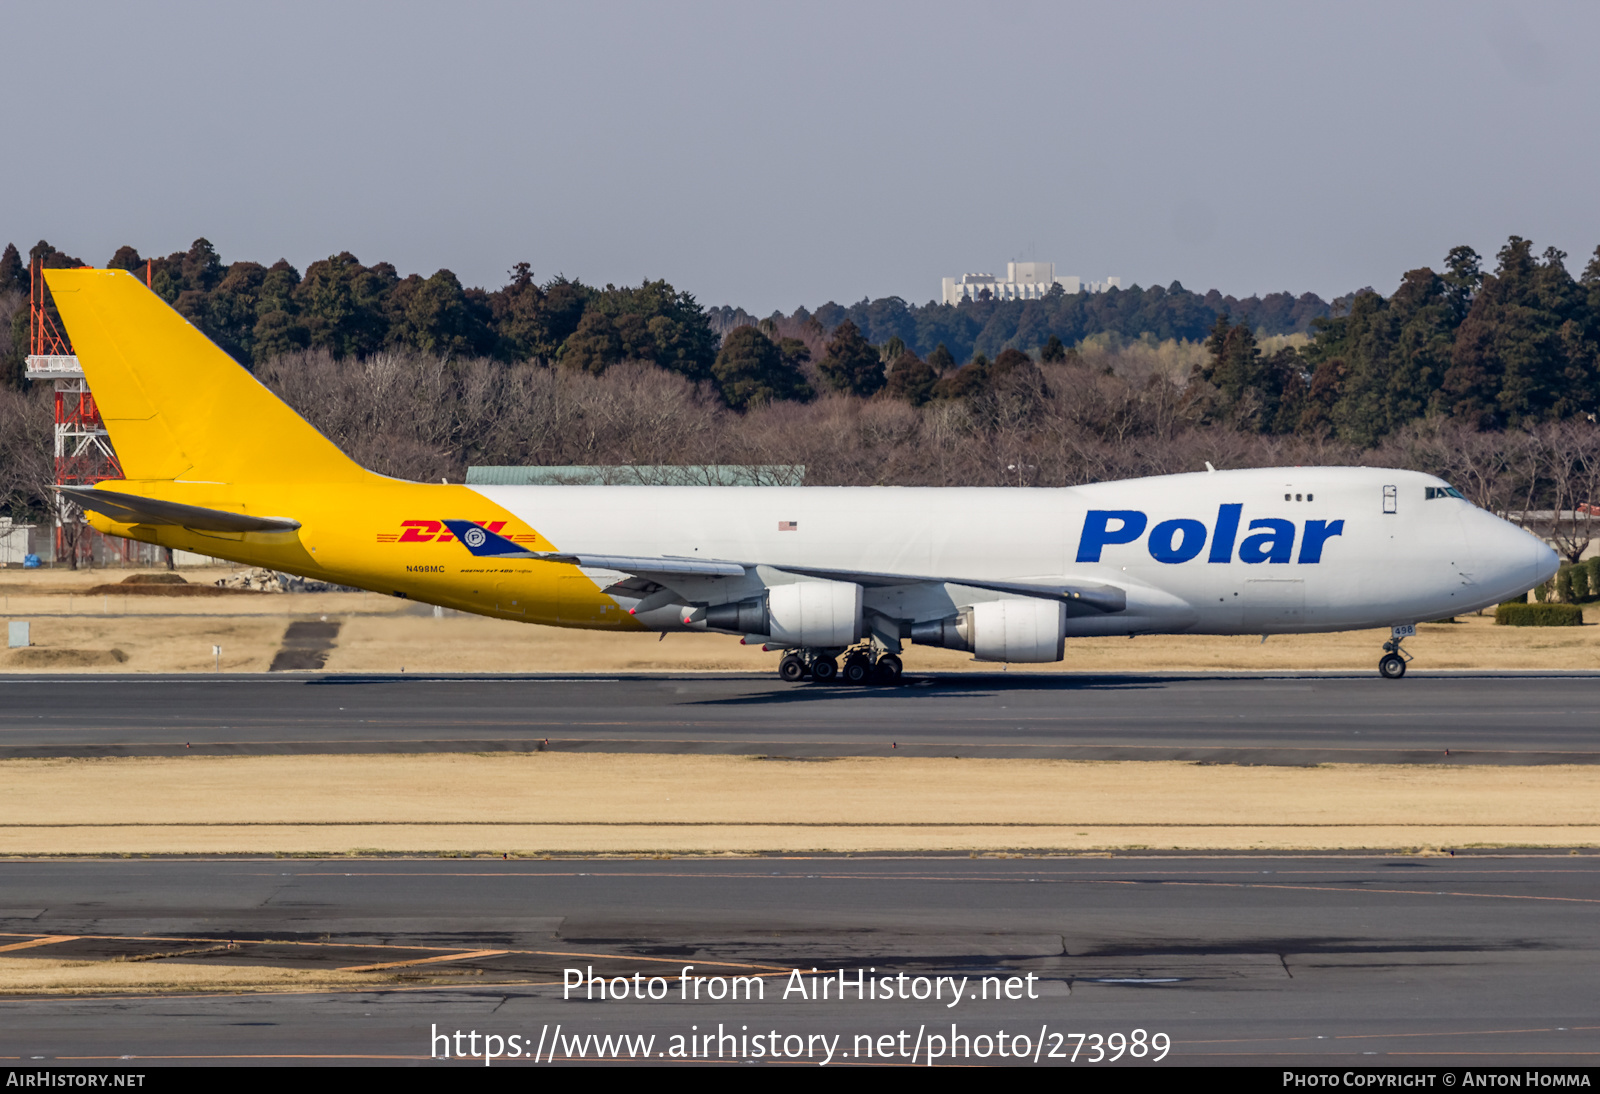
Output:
x=1509 y=559
x=1545 y=561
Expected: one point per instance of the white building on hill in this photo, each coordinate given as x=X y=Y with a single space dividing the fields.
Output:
x=1023 y=281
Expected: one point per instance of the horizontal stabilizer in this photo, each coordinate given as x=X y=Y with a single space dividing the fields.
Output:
x=132 y=509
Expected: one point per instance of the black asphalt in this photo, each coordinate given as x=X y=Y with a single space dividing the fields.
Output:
x=1237 y=718
x=1333 y=959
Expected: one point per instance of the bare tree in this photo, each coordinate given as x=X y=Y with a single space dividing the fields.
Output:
x=27 y=445
x=1570 y=454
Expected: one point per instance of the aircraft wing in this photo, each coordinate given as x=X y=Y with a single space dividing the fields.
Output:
x=132 y=509
x=660 y=569
x=1106 y=598
x=486 y=544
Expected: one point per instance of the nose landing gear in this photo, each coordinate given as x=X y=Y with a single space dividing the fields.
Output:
x=1392 y=665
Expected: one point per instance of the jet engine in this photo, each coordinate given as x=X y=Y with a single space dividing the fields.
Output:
x=816 y=614
x=1019 y=630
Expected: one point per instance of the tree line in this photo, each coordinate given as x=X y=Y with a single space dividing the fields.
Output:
x=1519 y=344
x=1507 y=349
x=988 y=327
x=1490 y=379
x=257 y=312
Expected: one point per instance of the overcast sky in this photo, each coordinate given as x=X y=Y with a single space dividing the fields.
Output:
x=771 y=155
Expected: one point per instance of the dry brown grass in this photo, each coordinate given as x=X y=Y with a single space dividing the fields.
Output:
x=52 y=976
x=373 y=643
x=59 y=581
x=381 y=634
x=544 y=802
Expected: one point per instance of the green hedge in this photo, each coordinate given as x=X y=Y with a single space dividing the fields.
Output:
x=1539 y=615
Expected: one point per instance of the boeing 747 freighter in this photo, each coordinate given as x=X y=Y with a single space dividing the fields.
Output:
x=835 y=579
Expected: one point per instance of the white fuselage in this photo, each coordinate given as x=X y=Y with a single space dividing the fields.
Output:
x=1263 y=551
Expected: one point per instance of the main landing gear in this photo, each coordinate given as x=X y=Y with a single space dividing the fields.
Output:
x=863 y=664
x=1392 y=665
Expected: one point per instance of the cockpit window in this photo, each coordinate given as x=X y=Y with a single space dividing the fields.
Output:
x=1432 y=492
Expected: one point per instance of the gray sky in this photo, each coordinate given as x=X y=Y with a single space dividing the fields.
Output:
x=769 y=156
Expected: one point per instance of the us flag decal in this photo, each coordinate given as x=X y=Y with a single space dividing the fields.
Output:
x=788 y=526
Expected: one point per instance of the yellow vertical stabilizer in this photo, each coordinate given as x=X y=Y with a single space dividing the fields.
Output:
x=176 y=406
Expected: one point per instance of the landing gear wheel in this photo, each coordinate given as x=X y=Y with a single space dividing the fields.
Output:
x=1392 y=667
x=857 y=669
x=824 y=669
x=792 y=668
x=889 y=668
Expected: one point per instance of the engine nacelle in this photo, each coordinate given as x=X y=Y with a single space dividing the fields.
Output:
x=1018 y=630
x=807 y=613
x=815 y=613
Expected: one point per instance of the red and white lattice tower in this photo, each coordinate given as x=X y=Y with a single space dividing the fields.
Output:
x=84 y=455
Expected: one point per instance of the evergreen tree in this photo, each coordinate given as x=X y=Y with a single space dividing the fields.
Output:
x=438 y=316
x=1425 y=313
x=202 y=267
x=229 y=314
x=564 y=303
x=13 y=272
x=1511 y=364
x=1590 y=282
x=1462 y=279
x=1233 y=367
x=343 y=304
x=969 y=381
x=1009 y=361
x=751 y=370
x=851 y=363
x=14 y=335
x=594 y=346
x=278 y=328
x=127 y=258
x=1291 y=376
x=911 y=379
x=534 y=322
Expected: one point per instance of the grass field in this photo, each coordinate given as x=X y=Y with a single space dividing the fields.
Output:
x=72 y=631
x=53 y=976
x=539 y=803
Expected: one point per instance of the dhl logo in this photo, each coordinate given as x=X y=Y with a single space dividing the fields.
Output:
x=433 y=531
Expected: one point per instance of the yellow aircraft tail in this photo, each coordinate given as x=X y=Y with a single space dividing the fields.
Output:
x=176 y=406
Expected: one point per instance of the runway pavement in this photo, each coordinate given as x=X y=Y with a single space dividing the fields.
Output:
x=1505 y=718
x=1270 y=960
